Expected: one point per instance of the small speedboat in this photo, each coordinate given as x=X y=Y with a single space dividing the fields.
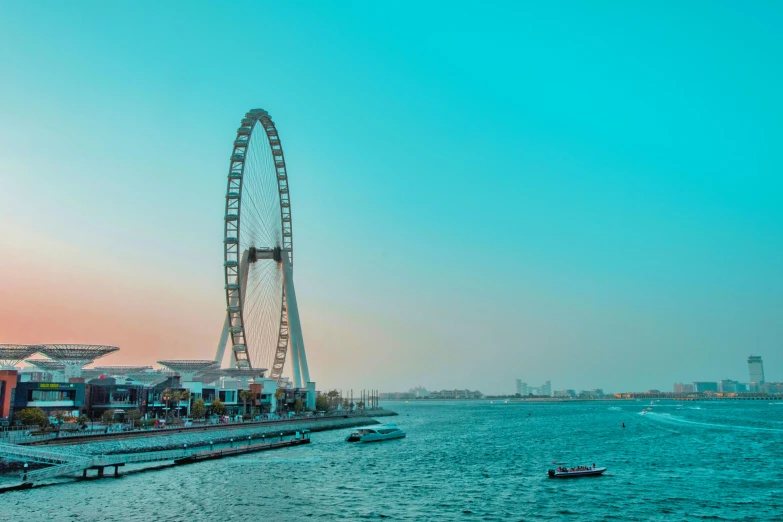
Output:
x=375 y=433
x=575 y=472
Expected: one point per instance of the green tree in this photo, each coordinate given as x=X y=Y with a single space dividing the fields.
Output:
x=321 y=403
x=133 y=416
x=108 y=417
x=59 y=419
x=198 y=410
x=246 y=396
x=298 y=405
x=83 y=420
x=279 y=397
x=32 y=417
x=333 y=397
x=218 y=407
x=360 y=404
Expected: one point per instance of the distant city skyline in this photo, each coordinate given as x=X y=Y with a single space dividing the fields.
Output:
x=587 y=194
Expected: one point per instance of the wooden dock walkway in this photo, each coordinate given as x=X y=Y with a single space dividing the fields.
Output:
x=243 y=449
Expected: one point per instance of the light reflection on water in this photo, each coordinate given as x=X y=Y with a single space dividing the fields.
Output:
x=469 y=460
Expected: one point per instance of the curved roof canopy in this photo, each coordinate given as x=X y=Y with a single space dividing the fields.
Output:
x=13 y=354
x=76 y=352
x=46 y=364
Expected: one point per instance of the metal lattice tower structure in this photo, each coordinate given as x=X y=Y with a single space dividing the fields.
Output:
x=13 y=354
x=188 y=368
x=75 y=356
x=262 y=316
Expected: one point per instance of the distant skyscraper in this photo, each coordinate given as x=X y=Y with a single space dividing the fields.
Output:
x=755 y=370
x=546 y=388
x=521 y=387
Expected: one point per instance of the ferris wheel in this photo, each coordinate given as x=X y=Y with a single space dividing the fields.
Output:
x=262 y=318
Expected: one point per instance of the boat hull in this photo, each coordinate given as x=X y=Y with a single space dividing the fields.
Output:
x=576 y=474
x=376 y=433
x=377 y=437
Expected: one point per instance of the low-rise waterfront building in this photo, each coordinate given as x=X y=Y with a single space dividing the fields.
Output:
x=592 y=394
x=680 y=387
x=50 y=396
x=108 y=394
x=705 y=386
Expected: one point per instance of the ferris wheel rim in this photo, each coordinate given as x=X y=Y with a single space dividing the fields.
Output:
x=232 y=239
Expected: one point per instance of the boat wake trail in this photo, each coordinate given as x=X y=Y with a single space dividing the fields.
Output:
x=673 y=419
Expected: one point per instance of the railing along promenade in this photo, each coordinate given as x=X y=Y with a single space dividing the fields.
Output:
x=62 y=464
x=76 y=436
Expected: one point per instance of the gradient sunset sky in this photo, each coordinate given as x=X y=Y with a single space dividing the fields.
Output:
x=584 y=192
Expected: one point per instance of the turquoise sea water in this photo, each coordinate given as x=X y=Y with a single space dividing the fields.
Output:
x=471 y=461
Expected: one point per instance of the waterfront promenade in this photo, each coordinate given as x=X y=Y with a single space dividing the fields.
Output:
x=77 y=453
x=313 y=423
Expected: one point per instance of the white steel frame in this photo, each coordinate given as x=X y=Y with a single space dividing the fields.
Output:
x=236 y=263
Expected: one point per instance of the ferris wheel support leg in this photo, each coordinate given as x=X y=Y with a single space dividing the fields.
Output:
x=299 y=357
x=221 y=348
x=295 y=360
x=243 y=272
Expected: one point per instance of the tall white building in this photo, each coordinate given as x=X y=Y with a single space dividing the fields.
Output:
x=521 y=387
x=755 y=370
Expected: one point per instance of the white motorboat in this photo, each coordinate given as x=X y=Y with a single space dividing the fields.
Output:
x=375 y=433
x=581 y=471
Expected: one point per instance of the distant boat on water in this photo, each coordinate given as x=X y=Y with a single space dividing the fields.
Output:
x=376 y=433
x=581 y=471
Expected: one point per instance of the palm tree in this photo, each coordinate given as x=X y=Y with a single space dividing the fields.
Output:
x=184 y=395
x=166 y=396
x=245 y=396
x=176 y=397
x=279 y=396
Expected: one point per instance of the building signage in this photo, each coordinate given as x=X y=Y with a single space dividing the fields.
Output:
x=54 y=385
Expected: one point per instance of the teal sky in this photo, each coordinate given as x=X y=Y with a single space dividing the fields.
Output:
x=584 y=192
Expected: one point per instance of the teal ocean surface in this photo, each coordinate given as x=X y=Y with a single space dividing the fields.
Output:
x=471 y=461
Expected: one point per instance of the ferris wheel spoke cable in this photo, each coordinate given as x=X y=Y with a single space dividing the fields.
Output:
x=263 y=163
x=258 y=214
x=262 y=307
x=254 y=219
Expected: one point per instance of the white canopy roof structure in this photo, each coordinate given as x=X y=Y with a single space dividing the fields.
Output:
x=46 y=364
x=150 y=378
x=75 y=356
x=188 y=368
x=13 y=354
